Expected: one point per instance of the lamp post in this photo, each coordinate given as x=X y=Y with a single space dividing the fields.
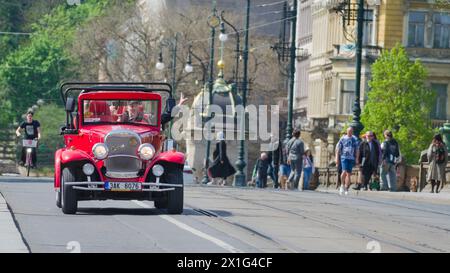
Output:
x=356 y=123
x=292 y=60
x=351 y=13
x=213 y=22
x=238 y=47
x=189 y=67
x=286 y=51
x=172 y=43
x=240 y=177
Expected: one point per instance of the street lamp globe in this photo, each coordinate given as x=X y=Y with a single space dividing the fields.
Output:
x=223 y=37
x=160 y=65
x=40 y=102
x=188 y=68
x=34 y=107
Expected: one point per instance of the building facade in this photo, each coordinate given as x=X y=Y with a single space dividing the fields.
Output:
x=420 y=25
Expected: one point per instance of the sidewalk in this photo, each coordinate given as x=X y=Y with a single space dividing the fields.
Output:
x=442 y=198
x=10 y=237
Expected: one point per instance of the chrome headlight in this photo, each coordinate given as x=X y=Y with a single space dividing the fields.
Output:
x=100 y=151
x=146 y=151
x=88 y=169
x=158 y=170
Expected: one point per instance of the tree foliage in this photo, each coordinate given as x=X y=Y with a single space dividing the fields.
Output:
x=400 y=101
x=34 y=70
x=51 y=117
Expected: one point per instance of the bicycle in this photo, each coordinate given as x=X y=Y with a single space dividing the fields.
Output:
x=29 y=144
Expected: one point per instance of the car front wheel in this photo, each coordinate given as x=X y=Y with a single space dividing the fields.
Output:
x=69 y=196
x=58 y=198
x=175 y=197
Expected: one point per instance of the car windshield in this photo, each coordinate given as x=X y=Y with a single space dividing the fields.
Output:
x=120 y=111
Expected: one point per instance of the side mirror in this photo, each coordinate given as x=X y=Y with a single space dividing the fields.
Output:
x=70 y=105
x=62 y=129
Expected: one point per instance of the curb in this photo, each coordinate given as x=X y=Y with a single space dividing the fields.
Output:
x=442 y=198
x=11 y=240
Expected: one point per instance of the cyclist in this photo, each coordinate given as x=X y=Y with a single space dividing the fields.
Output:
x=32 y=131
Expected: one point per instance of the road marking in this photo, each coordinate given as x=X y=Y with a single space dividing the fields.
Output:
x=192 y=230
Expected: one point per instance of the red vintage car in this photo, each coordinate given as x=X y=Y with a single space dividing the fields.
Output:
x=114 y=146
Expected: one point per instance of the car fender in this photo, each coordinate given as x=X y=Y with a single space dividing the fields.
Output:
x=57 y=173
x=64 y=156
x=70 y=155
x=170 y=156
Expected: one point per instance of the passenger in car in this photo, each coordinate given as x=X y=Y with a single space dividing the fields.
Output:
x=134 y=113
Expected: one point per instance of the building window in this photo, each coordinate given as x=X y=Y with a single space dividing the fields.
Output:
x=347 y=96
x=439 y=110
x=416 y=29
x=441 y=30
x=368 y=28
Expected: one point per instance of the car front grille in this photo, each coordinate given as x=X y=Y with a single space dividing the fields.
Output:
x=122 y=161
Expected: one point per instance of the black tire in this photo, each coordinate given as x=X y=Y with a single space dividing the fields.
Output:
x=58 y=198
x=162 y=204
x=69 y=200
x=175 y=198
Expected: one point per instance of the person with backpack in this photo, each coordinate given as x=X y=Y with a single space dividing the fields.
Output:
x=295 y=151
x=390 y=156
x=437 y=157
x=347 y=154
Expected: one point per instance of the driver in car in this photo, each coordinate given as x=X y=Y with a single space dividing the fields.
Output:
x=134 y=113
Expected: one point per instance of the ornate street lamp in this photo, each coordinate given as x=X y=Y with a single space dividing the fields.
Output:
x=189 y=68
x=237 y=50
x=351 y=12
x=286 y=51
x=240 y=177
x=213 y=22
x=172 y=43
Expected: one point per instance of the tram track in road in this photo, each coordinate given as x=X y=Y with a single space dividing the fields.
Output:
x=251 y=231
x=381 y=237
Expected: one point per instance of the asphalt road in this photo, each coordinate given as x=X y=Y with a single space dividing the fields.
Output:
x=229 y=220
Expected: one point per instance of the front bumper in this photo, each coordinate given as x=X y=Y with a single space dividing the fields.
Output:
x=146 y=187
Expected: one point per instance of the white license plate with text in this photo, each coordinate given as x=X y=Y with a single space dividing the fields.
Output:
x=123 y=186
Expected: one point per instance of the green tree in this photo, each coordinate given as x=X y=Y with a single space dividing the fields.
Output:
x=399 y=100
x=51 y=117
x=35 y=69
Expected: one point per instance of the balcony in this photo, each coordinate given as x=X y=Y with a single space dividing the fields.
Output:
x=438 y=123
x=347 y=51
x=434 y=53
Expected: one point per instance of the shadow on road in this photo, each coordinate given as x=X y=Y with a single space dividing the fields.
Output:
x=128 y=211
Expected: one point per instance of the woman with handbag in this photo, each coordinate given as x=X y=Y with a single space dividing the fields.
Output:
x=437 y=157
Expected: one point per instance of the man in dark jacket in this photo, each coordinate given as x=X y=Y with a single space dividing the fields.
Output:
x=390 y=156
x=369 y=156
x=261 y=166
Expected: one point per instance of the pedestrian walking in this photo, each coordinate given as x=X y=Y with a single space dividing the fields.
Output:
x=369 y=158
x=285 y=169
x=260 y=170
x=437 y=157
x=221 y=167
x=275 y=151
x=295 y=151
x=390 y=156
x=308 y=168
x=347 y=155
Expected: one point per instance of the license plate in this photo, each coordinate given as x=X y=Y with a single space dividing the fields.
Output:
x=123 y=186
